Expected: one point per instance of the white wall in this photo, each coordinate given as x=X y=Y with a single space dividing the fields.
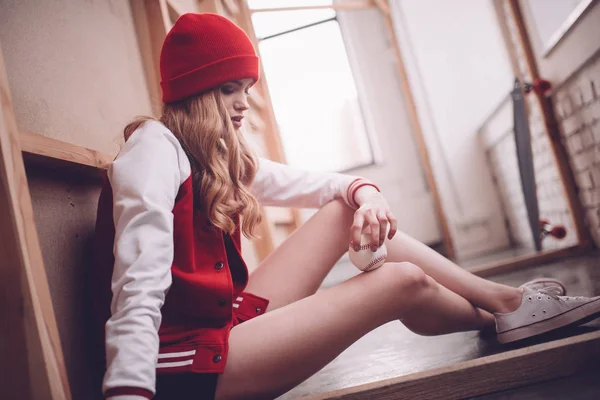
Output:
x=74 y=69
x=459 y=71
x=400 y=174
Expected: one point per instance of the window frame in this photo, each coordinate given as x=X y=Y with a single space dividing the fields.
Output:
x=375 y=159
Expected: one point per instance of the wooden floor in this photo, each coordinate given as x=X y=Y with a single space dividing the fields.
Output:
x=392 y=351
x=577 y=387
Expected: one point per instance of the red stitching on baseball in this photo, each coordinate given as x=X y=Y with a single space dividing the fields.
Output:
x=375 y=261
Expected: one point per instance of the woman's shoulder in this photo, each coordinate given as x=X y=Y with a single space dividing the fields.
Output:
x=154 y=143
x=153 y=130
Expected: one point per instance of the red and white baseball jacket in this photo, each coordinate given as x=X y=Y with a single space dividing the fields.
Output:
x=167 y=285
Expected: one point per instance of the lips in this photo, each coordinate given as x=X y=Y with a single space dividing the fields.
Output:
x=237 y=120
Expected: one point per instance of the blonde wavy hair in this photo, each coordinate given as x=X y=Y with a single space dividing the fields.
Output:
x=223 y=166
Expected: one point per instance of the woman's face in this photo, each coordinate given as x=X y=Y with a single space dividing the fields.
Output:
x=235 y=96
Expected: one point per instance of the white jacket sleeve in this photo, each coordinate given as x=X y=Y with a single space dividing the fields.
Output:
x=145 y=179
x=278 y=184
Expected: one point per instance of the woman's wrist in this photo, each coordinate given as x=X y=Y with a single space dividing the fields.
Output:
x=362 y=193
x=359 y=190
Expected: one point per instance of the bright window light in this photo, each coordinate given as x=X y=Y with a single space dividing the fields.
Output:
x=314 y=95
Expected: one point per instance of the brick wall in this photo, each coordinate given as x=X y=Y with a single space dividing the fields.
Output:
x=577 y=105
x=552 y=200
x=497 y=136
x=502 y=160
x=501 y=153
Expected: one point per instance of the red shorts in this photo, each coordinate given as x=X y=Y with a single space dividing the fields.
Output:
x=194 y=386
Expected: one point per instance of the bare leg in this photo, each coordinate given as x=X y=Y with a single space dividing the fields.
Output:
x=483 y=293
x=273 y=353
x=297 y=267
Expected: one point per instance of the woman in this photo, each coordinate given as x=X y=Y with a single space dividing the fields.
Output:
x=181 y=317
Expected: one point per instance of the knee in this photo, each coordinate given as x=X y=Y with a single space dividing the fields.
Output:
x=405 y=277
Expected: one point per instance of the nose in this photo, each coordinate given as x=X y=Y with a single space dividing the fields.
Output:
x=241 y=104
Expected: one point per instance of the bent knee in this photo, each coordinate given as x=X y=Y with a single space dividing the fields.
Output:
x=405 y=276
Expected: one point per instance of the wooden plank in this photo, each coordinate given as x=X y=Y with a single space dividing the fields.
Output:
x=230 y=6
x=420 y=139
x=265 y=243
x=174 y=11
x=31 y=358
x=212 y=6
x=514 y=368
x=383 y=6
x=59 y=152
x=499 y=11
x=152 y=23
x=524 y=261
x=271 y=133
x=256 y=101
x=345 y=6
x=559 y=152
x=272 y=138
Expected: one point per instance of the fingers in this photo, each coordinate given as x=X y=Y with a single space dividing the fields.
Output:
x=383 y=225
x=356 y=230
x=393 y=224
x=378 y=223
x=374 y=225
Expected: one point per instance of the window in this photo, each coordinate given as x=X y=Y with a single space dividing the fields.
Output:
x=554 y=18
x=312 y=88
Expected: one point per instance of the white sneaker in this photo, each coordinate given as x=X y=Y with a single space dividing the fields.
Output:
x=558 y=288
x=543 y=311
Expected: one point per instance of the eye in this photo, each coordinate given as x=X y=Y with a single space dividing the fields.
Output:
x=227 y=90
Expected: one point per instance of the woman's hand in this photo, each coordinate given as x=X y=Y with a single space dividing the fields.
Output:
x=373 y=213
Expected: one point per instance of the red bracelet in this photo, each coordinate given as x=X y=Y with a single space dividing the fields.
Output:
x=353 y=188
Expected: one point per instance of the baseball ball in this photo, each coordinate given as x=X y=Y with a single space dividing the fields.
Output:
x=365 y=259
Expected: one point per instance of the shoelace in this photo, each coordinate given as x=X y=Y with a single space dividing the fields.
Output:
x=551 y=292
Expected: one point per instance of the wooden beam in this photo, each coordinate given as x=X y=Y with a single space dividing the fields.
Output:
x=272 y=137
x=230 y=6
x=511 y=369
x=256 y=101
x=152 y=23
x=31 y=359
x=559 y=152
x=530 y=260
x=500 y=17
x=420 y=138
x=61 y=152
x=265 y=243
x=212 y=6
x=343 y=6
x=383 y=6
x=174 y=11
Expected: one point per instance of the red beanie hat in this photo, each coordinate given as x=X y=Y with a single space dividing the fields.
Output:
x=201 y=52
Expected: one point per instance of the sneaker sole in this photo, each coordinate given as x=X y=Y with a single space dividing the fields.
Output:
x=577 y=316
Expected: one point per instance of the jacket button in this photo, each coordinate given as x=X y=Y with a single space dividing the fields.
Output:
x=219 y=266
x=217 y=358
x=258 y=309
x=222 y=302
